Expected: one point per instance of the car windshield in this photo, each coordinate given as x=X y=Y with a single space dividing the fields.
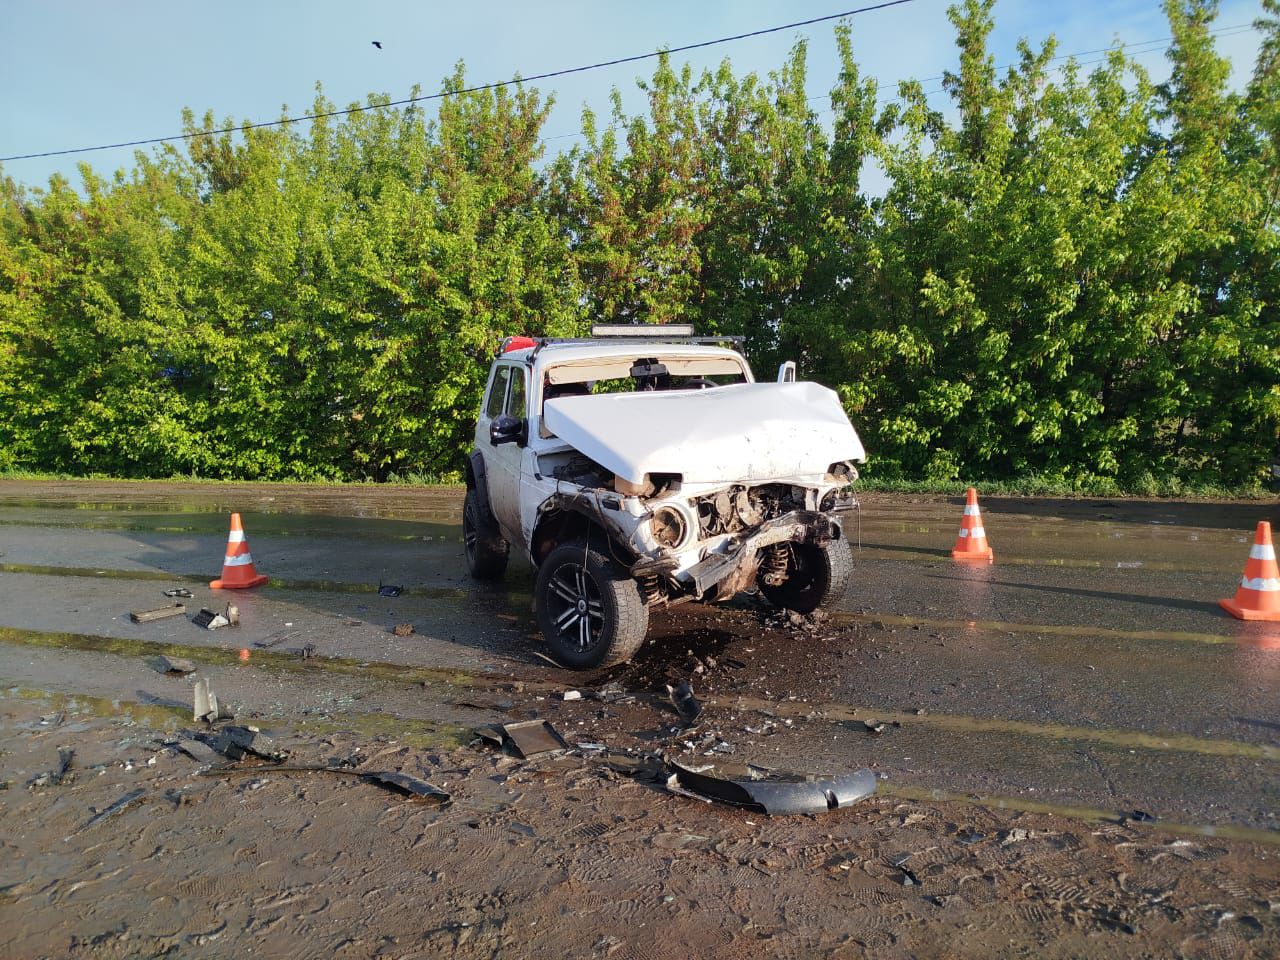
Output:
x=641 y=374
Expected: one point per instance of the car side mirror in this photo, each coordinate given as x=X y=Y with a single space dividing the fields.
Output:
x=507 y=429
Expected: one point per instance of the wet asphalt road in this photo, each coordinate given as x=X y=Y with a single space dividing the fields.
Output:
x=1089 y=669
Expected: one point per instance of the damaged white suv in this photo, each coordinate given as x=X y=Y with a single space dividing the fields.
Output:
x=646 y=467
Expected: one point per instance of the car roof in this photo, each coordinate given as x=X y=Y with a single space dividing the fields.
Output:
x=621 y=347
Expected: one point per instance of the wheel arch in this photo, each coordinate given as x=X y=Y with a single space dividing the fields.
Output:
x=562 y=524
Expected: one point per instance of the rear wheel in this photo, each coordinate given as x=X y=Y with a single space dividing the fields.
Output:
x=484 y=546
x=817 y=577
x=589 y=609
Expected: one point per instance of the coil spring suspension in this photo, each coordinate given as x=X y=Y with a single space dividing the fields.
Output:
x=650 y=589
x=774 y=563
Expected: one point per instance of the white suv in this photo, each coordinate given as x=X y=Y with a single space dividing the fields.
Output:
x=645 y=466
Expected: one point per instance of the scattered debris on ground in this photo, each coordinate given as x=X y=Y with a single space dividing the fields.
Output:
x=159 y=613
x=403 y=629
x=206 y=705
x=59 y=774
x=528 y=739
x=275 y=640
x=177 y=665
x=391 y=591
x=685 y=703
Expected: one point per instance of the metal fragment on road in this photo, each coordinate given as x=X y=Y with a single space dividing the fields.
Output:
x=178 y=592
x=772 y=792
x=159 y=613
x=206 y=706
x=685 y=703
x=176 y=665
x=275 y=640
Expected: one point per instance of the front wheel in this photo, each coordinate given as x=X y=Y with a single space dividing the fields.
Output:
x=590 y=611
x=817 y=577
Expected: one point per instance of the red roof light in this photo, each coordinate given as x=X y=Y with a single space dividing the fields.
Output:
x=516 y=343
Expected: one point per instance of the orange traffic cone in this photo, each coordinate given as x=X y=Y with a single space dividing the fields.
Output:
x=1258 y=597
x=237 y=569
x=971 y=544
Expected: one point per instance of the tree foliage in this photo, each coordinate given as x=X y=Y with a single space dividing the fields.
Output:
x=1073 y=274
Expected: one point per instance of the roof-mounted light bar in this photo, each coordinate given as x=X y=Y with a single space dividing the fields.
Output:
x=645 y=331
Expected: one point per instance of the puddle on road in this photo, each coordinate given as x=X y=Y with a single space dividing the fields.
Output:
x=158 y=715
x=373 y=502
x=268 y=660
x=326 y=586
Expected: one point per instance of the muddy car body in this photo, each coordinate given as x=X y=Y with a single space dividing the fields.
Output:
x=640 y=472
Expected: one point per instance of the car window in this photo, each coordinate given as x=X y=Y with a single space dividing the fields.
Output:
x=497 y=392
x=515 y=399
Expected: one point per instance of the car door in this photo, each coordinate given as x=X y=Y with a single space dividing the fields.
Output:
x=502 y=461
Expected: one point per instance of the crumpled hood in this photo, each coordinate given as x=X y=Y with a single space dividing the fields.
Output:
x=749 y=432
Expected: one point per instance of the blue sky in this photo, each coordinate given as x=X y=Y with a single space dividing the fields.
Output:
x=82 y=72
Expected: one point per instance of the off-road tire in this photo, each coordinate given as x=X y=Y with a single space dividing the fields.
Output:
x=484 y=546
x=819 y=577
x=575 y=575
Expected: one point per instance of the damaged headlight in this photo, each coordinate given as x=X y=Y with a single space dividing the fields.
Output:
x=670 y=527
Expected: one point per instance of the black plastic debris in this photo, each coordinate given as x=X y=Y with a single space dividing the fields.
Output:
x=1141 y=816
x=528 y=739
x=51 y=778
x=130 y=798
x=773 y=792
x=160 y=613
x=209 y=620
x=178 y=592
x=403 y=783
x=686 y=704
x=176 y=665
x=389 y=590
x=237 y=742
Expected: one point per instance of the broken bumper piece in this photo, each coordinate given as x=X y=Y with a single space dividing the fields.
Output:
x=772 y=792
x=735 y=570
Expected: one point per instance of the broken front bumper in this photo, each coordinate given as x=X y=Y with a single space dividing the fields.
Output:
x=734 y=570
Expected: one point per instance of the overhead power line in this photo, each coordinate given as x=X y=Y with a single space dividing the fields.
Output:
x=475 y=89
x=1151 y=46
